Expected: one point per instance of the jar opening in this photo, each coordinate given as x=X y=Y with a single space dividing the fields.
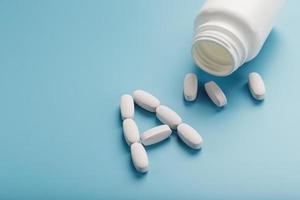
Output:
x=218 y=50
x=213 y=57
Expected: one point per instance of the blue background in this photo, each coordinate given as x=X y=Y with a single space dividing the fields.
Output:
x=65 y=64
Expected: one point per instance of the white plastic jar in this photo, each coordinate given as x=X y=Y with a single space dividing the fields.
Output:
x=229 y=33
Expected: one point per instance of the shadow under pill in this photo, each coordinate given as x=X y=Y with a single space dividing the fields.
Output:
x=118 y=114
x=247 y=92
x=157 y=146
x=125 y=146
x=137 y=175
x=189 y=103
x=205 y=100
x=143 y=112
x=158 y=122
x=186 y=148
x=122 y=140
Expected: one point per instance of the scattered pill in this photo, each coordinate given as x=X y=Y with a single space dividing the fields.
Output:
x=167 y=116
x=257 y=86
x=139 y=157
x=190 y=87
x=215 y=94
x=127 y=107
x=146 y=100
x=131 y=131
x=156 y=135
x=189 y=136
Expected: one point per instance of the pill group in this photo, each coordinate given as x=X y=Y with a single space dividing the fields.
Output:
x=171 y=121
x=216 y=94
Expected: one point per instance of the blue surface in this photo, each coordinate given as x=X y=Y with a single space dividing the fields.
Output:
x=64 y=66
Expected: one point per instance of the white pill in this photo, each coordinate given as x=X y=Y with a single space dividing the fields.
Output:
x=215 y=94
x=257 y=86
x=146 y=100
x=127 y=107
x=139 y=157
x=131 y=131
x=156 y=135
x=190 y=87
x=189 y=136
x=167 y=116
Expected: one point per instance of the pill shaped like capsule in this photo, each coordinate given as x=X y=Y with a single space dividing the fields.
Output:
x=156 y=135
x=190 y=87
x=215 y=94
x=139 y=157
x=127 y=107
x=189 y=136
x=167 y=116
x=131 y=131
x=146 y=100
x=257 y=86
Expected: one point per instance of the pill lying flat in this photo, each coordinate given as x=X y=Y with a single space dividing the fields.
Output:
x=257 y=86
x=167 y=116
x=131 y=131
x=139 y=157
x=127 y=107
x=189 y=136
x=156 y=135
x=190 y=87
x=145 y=100
x=215 y=94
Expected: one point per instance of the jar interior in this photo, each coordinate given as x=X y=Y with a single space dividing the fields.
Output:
x=213 y=57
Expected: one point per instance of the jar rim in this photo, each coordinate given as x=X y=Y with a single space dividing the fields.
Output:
x=217 y=51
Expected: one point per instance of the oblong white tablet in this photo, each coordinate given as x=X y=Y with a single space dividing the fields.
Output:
x=146 y=100
x=189 y=136
x=257 y=86
x=139 y=157
x=156 y=135
x=167 y=116
x=127 y=107
x=131 y=131
x=215 y=94
x=190 y=87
